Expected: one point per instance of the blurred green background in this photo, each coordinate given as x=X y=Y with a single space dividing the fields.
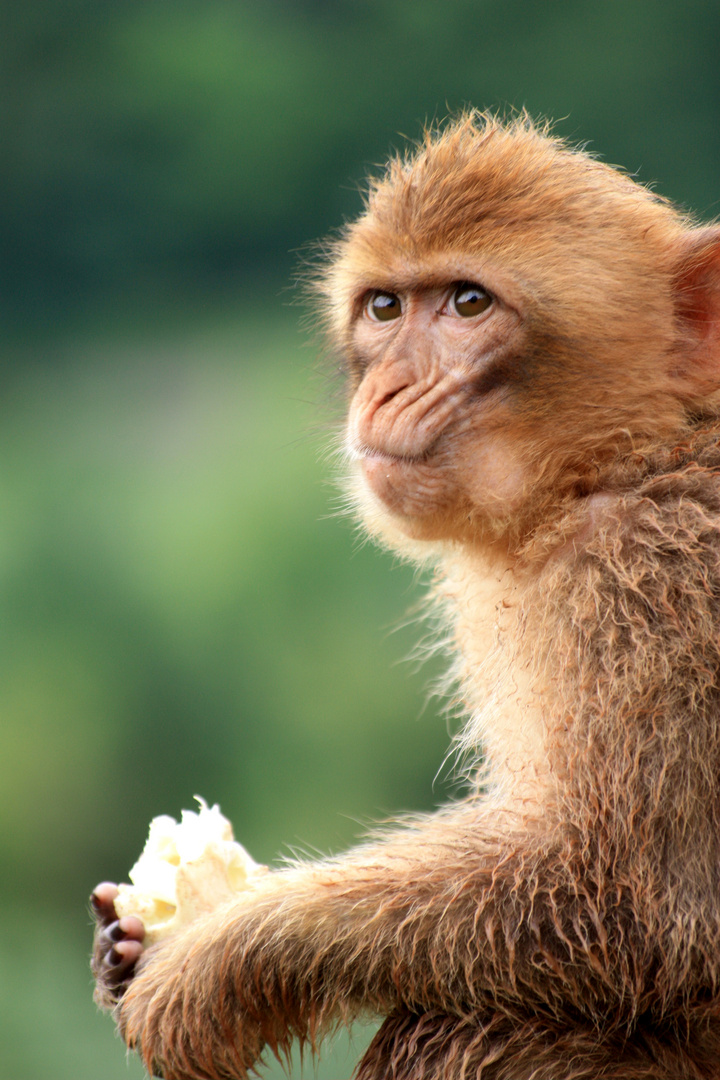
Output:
x=181 y=608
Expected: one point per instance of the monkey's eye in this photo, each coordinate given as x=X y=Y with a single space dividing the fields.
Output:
x=468 y=300
x=383 y=306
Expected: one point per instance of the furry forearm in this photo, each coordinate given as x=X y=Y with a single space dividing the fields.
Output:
x=432 y=918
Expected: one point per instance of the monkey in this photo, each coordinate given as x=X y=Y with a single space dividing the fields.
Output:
x=531 y=342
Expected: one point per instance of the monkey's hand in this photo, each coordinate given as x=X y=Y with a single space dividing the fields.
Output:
x=117 y=947
x=174 y=1001
x=129 y=920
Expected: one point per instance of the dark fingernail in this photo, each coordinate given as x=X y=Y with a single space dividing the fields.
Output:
x=96 y=902
x=114 y=933
x=113 y=958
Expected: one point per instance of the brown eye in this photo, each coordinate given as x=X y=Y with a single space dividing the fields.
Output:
x=469 y=300
x=383 y=306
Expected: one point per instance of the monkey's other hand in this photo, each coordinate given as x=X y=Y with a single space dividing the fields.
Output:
x=182 y=1014
x=117 y=946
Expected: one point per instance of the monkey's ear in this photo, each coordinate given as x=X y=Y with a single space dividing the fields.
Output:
x=697 y=292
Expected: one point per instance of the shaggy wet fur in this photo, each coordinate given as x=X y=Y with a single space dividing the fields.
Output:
x=562 y=922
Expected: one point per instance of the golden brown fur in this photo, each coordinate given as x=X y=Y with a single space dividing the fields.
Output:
x=563 y=920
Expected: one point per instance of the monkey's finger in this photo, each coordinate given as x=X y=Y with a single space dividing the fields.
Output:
x=103 y=902
x=132 y=928
x=129 y=928
x=120 y=959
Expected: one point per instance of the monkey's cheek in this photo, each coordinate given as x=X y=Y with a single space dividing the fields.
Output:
x=495 y=480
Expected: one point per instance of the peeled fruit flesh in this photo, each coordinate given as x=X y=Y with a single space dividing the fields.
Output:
x=185 y=870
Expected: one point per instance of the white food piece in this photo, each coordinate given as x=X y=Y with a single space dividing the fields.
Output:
x=186 y=869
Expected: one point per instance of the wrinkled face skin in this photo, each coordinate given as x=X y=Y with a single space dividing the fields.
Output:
x=476 y=413
x=437 y=365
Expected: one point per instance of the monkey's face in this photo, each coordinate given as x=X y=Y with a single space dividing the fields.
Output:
x=430 y=424
x=475 y=412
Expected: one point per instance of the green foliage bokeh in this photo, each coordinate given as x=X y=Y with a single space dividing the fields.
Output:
x=182 y=607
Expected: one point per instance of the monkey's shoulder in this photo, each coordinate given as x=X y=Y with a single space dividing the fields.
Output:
x=677 y=481
x=658 y=540
x=660 y=516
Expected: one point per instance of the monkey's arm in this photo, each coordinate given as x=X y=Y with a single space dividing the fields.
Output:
x=435 y=917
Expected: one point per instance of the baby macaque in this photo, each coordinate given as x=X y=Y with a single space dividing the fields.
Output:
x=532 y=343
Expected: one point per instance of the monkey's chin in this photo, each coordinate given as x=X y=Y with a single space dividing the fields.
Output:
x=418 y=500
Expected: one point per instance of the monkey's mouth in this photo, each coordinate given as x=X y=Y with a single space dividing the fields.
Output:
x=369 y=454
x=395 y=476
x=411 y=486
